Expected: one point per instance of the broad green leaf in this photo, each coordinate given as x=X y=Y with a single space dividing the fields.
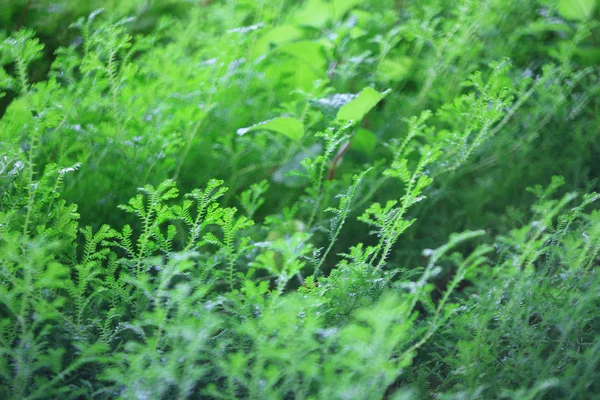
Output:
x=275 y=37
x=304 y=77
x=291 y=75
x=287 y=126
x=309 y=53
x=315 y=13
x=363 y=18
x=341 y=7
x=578 y=10
x=364 y=140
x=361 y=105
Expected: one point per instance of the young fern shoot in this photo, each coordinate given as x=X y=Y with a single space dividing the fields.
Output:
x=340 y=215
x=389 y=219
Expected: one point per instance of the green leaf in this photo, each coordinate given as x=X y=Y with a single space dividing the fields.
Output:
x=309 y=53
x=276 y=36
x=361 y=105
x=308 y=63
x=287 y=126
x=364 y=140
x=578 y=10
x=341 y=7
x=315 y=14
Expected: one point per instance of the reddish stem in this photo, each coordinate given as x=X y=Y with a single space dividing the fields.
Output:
x=337 y=159
x=23 y=15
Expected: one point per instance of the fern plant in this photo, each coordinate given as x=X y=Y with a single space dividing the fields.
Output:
x=329 y=152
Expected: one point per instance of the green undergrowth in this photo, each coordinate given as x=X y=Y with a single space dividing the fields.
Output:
x=345 y=199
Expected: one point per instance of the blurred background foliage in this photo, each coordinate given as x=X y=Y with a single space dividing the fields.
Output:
x=423 y=51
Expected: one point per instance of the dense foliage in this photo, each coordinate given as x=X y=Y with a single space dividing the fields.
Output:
x=344 y=199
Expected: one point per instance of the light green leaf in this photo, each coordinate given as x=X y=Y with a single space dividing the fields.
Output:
x=315 y=13
x=578 y=10
x=361 y=105
x=309 y=53
x=287 y=126
x=363 y=18
x=277 y=36
x=364 y=140
x=341 y=7
x=290 y=75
